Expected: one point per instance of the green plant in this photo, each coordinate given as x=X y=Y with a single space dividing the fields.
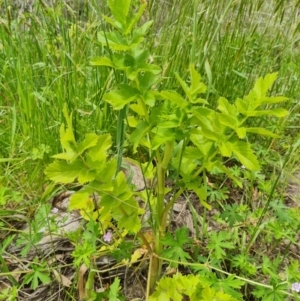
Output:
x=178 y=130
x=38 y=272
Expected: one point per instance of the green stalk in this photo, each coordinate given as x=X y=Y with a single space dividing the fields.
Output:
x=156 y=263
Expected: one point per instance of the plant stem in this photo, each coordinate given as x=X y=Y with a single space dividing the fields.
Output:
x=156 y=263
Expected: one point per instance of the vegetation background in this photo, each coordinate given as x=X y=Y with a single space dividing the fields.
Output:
x=45 y=53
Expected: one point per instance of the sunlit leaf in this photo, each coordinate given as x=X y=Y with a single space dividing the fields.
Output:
x=245 y=155
x=63 y=172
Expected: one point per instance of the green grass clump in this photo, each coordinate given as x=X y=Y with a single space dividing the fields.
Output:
x=45 y=56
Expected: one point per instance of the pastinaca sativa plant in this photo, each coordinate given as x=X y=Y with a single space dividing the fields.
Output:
x=176 y=129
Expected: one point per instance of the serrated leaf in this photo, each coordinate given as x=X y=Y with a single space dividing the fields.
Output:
x=262 y=131
x=70 y=155
x=135 y=19
x=146 y=81
x=119 y=98
x=201 y=192
x=226 y=108
x=162 y=135
x=199 y=101
x=86 y=176
x=175 y=245
x=242 y=105
x=137 y=135
x=241 y=132
x=218 y=242
x=114 y=290
x=205 y=146
x=278 y=112
x=117 y=42
x=273 y=99
x=192 y=153
x=131 y=223
x=197 y=86
x=262 y=85
x=89 y=141
x=225 y=149
x=119 y=9
x=69 y=123
x=245 y=155
x=99 y=151
x=141 y=31
x=230 y=121
x=175 y=97
x=184 y=86
x=169 y=124
x=138 y=108
x=101 y=61
x=80 y=201
x=132 y=121
x=113 y=22
x=63 y=172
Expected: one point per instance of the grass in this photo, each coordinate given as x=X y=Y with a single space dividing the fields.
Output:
x=44 y=63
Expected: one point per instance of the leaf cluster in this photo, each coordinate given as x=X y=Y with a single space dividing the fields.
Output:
x=88 y=164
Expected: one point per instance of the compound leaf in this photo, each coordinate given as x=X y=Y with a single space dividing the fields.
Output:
x=245 y=155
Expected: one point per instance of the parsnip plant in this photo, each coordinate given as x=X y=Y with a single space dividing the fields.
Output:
x=176 y=129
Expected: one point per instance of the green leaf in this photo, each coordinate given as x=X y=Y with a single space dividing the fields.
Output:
x=225 y=149
x=278 y=112
x=38 y=273
x=230 y=121
x=273 y=99
x=137 y=135
x=197 y=86
x=114 y=23
x=219 y=242
x=69 y=155
x=175 y=97
x=241 y=132
x=205 y=146
x=119 y=98
x=245 y=155
x=135 y=19
x=230 y=214
x=89 y=141
x=184 y=86
x=243 y=106
x=67 y=138
x=162 y=135
x=176 y=245
x=102 y=61
x=79 y=200
x=146 y=81
x=68 y=118
x=226 y=285
x=130 y=222
x=117 y=42
x=119 y=9
x=131 y=120
x=145 y=67
x=63 y=172
x=86 y=176
x=262 y=131
x=201 y=192
x=114 y=290
x=220 y=166
x=141 y=31
x=98 y=153
x=262 y=85
x=226 y=108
